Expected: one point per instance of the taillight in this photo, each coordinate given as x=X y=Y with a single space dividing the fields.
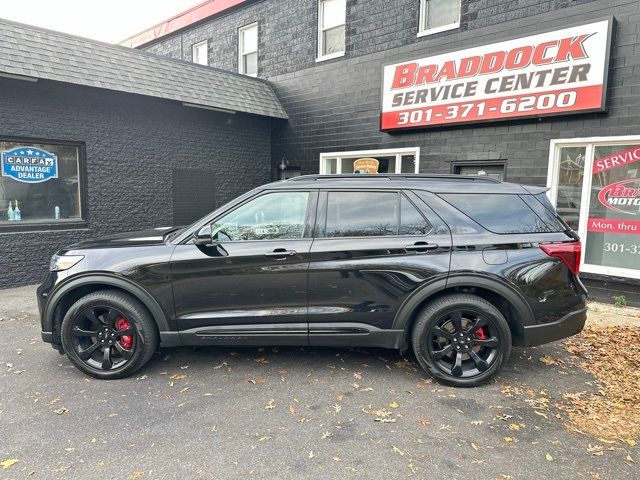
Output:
x=569 y=253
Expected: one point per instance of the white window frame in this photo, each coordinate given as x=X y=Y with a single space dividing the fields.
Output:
x=319 y=56
x=398 y=152
x=430 y=31
x=241 y=52
x=196 y=46
x=552 y=182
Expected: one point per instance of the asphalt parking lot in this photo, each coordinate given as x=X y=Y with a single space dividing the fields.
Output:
x=285 y=413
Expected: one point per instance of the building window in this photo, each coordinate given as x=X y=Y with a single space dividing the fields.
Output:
x=401 y=160
x=199 y=53
x=41 y=184
x=438 y=16
x=495 y=169
x=595 y=186
x=331 y=28
x=248 y=50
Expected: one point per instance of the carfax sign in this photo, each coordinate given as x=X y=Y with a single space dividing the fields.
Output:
x=29 y=164
x=553 y=73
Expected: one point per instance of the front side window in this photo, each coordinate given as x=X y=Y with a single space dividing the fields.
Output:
x=248 y=50
x=40 y=183
x=199 y=53
x=274 y=216
x=362 y=214
x=438 y=15
x=331 y=28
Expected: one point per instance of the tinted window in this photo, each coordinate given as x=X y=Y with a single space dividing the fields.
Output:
x=361 y=214
x=498 y=213
x=542 y=207
x=272 y=216
x=411 y=220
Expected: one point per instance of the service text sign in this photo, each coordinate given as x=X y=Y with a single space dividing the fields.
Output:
x=553 y=73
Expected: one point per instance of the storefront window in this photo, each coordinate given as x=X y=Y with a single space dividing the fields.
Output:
x=596 y=189
x=403 y=160
x=570 y=175
x=40 y=183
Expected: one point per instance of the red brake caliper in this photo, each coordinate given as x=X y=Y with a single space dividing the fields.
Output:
x=126 y=340
x=480 y=334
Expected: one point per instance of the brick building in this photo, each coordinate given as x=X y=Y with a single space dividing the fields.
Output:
x=325 y=60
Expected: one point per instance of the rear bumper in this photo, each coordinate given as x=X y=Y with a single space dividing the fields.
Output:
x=571 y=324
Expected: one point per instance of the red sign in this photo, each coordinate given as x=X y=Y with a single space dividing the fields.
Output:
x=553 y=73
x=616 y=160
x=607 y=225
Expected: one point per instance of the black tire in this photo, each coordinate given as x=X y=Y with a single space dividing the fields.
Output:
x=466 y=356
x=92 y=326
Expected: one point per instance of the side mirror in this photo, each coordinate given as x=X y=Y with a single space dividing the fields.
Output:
x=204 y=237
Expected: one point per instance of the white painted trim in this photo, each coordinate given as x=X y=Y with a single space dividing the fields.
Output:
x=552 y=182
x=330 y=56
x=241 y=53
x=443 y=28
x=398 y=152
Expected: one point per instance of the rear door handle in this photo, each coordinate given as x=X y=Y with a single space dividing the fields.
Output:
x=280 y=253
x=421 y=247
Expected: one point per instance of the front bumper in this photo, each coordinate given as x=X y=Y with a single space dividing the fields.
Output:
x=571 y=324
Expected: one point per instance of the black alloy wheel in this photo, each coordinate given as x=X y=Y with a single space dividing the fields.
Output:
x=103 y=337
x=109 y=334
x=461 y=339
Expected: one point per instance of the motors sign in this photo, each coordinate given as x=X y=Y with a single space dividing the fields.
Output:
x=553 y=73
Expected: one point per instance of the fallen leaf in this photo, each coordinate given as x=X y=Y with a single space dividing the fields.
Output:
x=311 y=455
x=8 y=463
x=397 y=450
x=136 y=475
x=357 y=376
x=327 y=434
x=474 y=446
x=393 y=405
x=61 y=410
x=292 y=410
x=270 y=405
x=548 y=457
x=514 y=426
x=410 y=467
x=424 y=422
x=178 y=376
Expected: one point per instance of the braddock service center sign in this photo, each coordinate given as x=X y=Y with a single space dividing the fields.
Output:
x=553 y=73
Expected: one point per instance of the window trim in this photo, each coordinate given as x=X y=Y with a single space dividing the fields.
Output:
x=443 y=28
x=241 y=30
x=398 y=152
x=552 y=182
x=62 y=224
x=193 y=50
x=320 y=27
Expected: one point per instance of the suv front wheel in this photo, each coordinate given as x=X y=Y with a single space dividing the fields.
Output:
x=108 y=334
x=461 y=339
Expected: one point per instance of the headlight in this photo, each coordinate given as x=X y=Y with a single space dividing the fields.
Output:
x=63 y=262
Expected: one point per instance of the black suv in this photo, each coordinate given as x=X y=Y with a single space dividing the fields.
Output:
x=458 y=268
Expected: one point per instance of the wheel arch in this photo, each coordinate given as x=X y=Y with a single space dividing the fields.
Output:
x=68 y=293
x=505 y=298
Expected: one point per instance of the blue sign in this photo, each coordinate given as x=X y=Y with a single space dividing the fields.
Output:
x=29 y=164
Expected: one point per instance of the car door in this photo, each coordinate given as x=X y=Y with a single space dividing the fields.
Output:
x=250 y=287
x=372 y=250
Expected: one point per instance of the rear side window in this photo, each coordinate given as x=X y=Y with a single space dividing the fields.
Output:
x=362 y=214
x=498 y=213
x=541 y=205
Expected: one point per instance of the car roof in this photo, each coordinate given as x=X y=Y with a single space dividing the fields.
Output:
x=436 y=183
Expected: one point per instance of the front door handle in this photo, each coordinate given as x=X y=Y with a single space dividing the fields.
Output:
x=421 y=247
x=280 y=253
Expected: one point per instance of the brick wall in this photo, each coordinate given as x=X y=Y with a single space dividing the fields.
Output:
x=133 y=144
x=288 y=29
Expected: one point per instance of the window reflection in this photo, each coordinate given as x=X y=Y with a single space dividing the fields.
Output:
x=362 y=214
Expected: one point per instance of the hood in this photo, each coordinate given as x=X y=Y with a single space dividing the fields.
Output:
x=152 y=236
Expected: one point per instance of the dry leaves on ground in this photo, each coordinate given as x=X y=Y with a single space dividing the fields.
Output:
x=612 y=355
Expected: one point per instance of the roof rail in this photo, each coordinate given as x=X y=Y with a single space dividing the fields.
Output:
x=396 y=176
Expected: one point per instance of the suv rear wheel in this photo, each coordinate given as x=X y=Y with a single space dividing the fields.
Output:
x=109 y=334
x=462 y=340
